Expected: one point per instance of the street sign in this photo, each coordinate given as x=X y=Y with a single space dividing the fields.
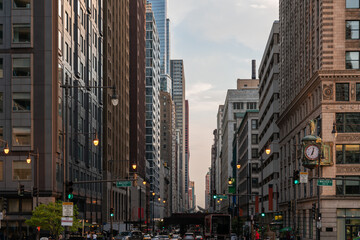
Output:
x=66 y=221
x=68 y=209
x=123 y=184
x=221 y=196
x=303 y=177
x=325 y=182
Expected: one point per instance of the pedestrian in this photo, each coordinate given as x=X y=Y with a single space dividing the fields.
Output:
x=94 y=236
x=257 y=235
x=88 y=236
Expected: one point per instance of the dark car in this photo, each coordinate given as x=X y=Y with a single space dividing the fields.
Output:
x=130 y=235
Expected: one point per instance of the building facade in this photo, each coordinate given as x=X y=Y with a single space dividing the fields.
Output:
x=167 y=155
x=178 y=87
x=137 y=108
x=268 y=130
x=249 y=174
x=237 y=102
x=152 y=116
x=318 y=79
x=44 y=46
x=207 y=190
x=187 y=149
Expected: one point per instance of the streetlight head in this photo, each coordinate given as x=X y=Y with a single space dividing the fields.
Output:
x=238 y=166
x=164 y=201
x=114 y=97
x=153 y=194
x=268 y=150
x=144 y=182
x=6 y=149
x=28 y=159
x=96 y=140
x=159 y=199
x=133 y=166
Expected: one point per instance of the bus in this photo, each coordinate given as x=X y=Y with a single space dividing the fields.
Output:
x=217 y=226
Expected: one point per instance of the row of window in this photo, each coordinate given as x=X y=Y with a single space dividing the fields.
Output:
x=240 y=105
x=343 y=92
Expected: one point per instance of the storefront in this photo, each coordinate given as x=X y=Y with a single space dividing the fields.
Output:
x=348 y=223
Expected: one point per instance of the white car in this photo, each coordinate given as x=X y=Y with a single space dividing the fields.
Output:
x=189 y=236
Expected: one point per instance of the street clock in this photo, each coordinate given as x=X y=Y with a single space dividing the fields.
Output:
x=312 y=152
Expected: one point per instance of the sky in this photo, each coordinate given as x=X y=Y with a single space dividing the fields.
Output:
x=217 y=39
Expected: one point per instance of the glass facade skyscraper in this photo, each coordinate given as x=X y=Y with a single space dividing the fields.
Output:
x=152 y=117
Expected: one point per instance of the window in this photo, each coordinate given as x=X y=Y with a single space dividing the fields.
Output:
x=66 y=21
x=254 y=138
x=21 y=170
x=59 y=42
x=21 y=67
x=21 y=101
x=21 y=136
x=352 y=60
x=1 y=34
x=254 y=124
x=347 y=154
x=1 y=4
x=21 y=33
x=254 y=153
x=238 y=105
x=21 y=4
x=348 y=122
x=251 y=105
x=1 y=68
x=357 y=90
x=342 y=91
x=59 y=8
x=347 y=187
x=352 y=4
x=352 y=30
x=1 y=103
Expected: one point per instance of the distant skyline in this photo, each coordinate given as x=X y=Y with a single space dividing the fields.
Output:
x=217 y=41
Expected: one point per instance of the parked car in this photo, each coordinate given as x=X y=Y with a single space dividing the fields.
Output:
x=189 y=236
x=133 y=235
x=199 y=237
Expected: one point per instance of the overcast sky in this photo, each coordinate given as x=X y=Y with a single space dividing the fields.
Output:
x=217 y=39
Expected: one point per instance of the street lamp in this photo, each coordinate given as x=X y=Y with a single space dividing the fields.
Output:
x=6 y=147
x=334 y=130
x=28 y=160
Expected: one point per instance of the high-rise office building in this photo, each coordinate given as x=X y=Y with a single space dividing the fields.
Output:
x=152 y=116
x=319 y=80
x=178 y=80
x=268 y=129
x=207 y=189
x=116 y=147
x=167 y=152
x=237 y=102
x=137 y=106
x=44 y=45
x=187 y=149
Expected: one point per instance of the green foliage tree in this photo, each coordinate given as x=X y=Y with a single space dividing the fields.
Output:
x=48 y=217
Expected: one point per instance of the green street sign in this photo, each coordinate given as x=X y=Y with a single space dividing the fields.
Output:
x=325 y=182
x=123 y=184
x=232 y=189
x=221 y=196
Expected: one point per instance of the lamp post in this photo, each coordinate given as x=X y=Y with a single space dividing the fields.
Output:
x=28 y=160
x=267 y=151
x=153 y=213
x=67 y=86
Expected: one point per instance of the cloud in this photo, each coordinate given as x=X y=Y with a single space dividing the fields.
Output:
x=258 y=6
x=198 y=88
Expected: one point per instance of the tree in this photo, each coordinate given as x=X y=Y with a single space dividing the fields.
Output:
x=48 y=217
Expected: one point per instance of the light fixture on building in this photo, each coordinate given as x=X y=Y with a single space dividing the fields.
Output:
x=96 y=140
x=268 y=150
x=28 y=159
x=334 y=131
x=6 y=149
x=238 y=166
x=114 y=97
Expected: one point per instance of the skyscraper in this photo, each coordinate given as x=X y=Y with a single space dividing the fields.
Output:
x=187 y=149
x=45 y=44
x=152 y=116
x=178 y=80
x=116 y=147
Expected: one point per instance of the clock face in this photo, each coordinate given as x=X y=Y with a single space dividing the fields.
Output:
x=312 y=152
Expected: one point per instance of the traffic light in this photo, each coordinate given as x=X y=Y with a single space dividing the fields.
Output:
x=5 y=204
x=263 y=212
x=296 y=177
x=69 y=190
x=313 y=210
x=111 y=212
x=35 y=191
x=21 y=190
x=214 y=196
